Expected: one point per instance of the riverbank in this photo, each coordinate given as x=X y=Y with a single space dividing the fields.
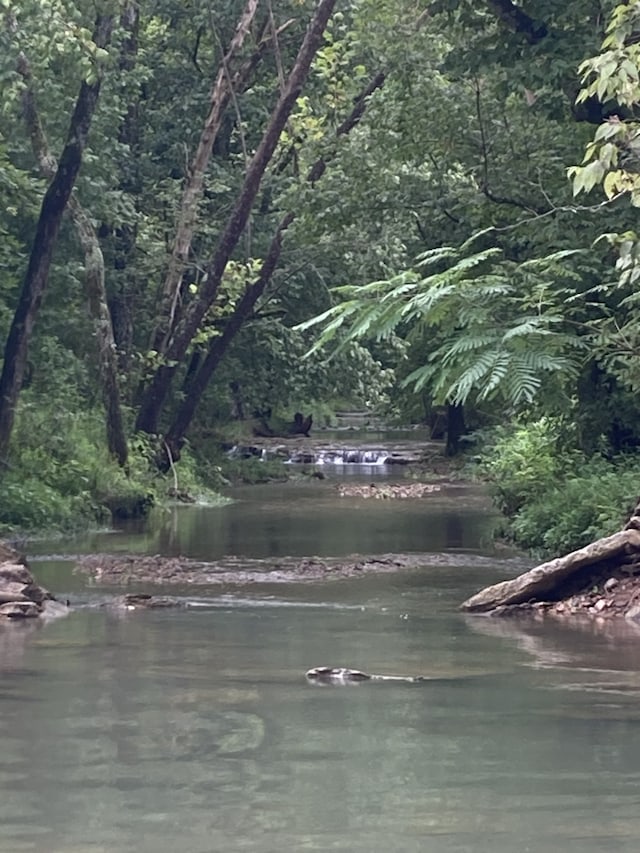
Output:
x=601 y=580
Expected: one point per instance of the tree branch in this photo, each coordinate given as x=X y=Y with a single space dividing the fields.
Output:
x=219 y=346
x=158 y=388
x=221 y=93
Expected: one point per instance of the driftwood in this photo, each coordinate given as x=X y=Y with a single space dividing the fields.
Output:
x=563 y=576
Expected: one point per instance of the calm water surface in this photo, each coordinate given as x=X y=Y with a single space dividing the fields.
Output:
x=195 y=731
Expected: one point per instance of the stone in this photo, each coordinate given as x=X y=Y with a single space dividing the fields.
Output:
x=20 y=596
x=13 y=591
x=19 y=610
x=633 y=614
x=14 y=572
x=9 y=554
x=611 y=584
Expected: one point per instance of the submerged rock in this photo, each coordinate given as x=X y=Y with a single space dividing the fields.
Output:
x=144 y=601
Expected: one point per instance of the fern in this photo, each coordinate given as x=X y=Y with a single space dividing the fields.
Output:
x=496 y=329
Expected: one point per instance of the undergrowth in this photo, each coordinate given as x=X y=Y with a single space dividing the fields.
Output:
x=554 y=498
x=60 y=476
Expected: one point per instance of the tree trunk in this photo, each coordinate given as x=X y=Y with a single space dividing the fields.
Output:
x=455 y=428
x=175 y=436
x=156 y=393
x=124 y=291
x=103 y=330
x=94 y=278
x=221 y=93
x=51 y=212
x=517 y=20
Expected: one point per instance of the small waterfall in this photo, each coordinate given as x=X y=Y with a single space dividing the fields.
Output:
x=325 y=454
x=352 y=457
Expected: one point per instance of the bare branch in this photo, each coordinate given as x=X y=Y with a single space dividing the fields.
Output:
x=221 y=93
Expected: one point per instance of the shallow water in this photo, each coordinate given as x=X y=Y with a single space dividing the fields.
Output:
x=196 y=730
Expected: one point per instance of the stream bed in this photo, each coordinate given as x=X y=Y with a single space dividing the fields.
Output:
x=195 y=730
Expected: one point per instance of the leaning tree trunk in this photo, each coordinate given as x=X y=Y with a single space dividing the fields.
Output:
x=593 y=567
x=160 y=384
x=94 y=278
x=198 y=383
x=174 y=437
x=220 y=97
x=51 y=212
x=124 y=290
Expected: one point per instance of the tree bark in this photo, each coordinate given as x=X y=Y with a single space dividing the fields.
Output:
x=53 y=206
x=124 y=291
x=159 y=386
x=94 y=279
x=221 y=94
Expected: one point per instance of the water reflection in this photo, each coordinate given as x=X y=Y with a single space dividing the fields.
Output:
x=303 y=519
x=197 y=731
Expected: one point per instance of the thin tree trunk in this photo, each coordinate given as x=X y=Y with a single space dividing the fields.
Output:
x=124 y=290
x=103 y=330
x=221 y=93
x=94 y=278
x=174 y=437
x=455 y=428
x=159 y=386
x=198 y=383
x=53 y=206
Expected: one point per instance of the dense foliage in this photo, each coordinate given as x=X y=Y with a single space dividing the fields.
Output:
x=286 y=207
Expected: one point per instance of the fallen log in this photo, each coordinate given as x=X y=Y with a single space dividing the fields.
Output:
x=562 y=576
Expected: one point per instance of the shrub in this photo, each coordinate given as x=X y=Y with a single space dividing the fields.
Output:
x=524 y=463
x=586 y=506
x=62 y=477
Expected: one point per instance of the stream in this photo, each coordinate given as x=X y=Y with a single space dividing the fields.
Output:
x=196 y=731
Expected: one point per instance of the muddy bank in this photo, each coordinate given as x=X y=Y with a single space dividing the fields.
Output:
x=118 y=569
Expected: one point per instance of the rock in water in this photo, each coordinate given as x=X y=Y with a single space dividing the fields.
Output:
x=336 y=675
x=20 y=596
x=342 y=675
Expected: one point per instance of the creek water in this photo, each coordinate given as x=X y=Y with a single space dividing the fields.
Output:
x=195 y=730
